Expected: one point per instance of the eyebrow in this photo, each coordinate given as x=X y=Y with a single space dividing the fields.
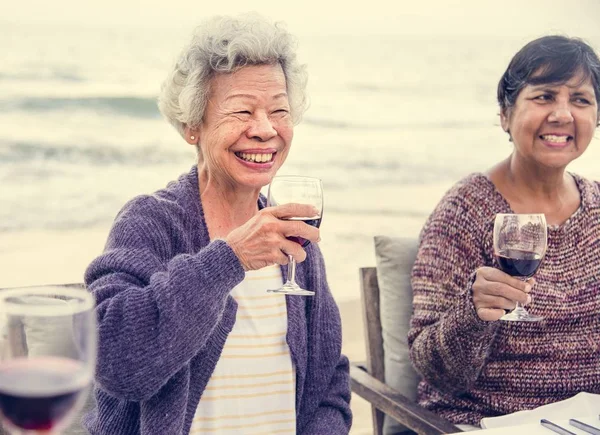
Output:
x=253 y=97
x=547 y=87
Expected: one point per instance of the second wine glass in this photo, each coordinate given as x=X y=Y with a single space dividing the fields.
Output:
x=520 y=245
x=286 y=189
x=47 y=356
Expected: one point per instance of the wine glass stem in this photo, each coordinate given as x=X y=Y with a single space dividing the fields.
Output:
x=291 y=269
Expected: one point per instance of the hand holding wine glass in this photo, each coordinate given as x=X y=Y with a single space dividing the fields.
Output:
x=47 y=356
x=298 y=190
x=266 y=238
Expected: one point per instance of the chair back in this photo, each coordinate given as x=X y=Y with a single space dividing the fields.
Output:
x=387 y=307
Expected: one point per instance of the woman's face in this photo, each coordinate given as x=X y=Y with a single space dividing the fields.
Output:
x=247 y=130
x=552 y=124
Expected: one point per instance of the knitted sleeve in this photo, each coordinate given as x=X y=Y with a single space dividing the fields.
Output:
x=156 y=308
x=448 y=342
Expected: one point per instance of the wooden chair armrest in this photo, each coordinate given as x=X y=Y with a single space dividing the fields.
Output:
x=396 y=405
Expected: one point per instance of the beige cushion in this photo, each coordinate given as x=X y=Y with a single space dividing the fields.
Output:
x=395 y=257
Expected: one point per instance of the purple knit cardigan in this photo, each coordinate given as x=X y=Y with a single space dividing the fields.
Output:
x=164 y=313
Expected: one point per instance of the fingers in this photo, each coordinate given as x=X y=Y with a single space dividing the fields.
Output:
x=496 y=275
x=499 y=302
x=300 y=229
x=293 y=249
x=268 y=238
x=494 y=292
x=490 y=314
x=501 y=290
x=295 y=228
x=293 y=210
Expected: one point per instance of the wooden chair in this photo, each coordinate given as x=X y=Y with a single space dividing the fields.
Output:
x=367 y=380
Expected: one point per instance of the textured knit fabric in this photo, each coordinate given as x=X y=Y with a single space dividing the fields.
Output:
x=164 y=313
x=473 y=369
x=253 y=384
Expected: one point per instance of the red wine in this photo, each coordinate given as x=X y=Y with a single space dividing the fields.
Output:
x=522 y=264
x=37 y=394
x=315 y=222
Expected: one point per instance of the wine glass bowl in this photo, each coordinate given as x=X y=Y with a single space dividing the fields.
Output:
x=300 y=190
x=47 y=356
x=520 y=242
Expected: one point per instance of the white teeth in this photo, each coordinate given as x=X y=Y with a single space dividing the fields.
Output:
x=255 y=158
x=555 y=139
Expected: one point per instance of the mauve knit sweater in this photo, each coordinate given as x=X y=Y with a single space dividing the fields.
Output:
x=473 y=369
x=164 y=313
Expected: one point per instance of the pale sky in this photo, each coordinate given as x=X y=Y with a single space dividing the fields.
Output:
x=421 y=17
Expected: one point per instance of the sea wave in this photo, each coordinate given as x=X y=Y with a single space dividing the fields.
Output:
x=376 y=212
x=46 y=74
x=98 y=155
x=330 y=123
x=139 y=107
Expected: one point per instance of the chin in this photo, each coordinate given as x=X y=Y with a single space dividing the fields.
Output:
x=556 y=163
x=256 y=182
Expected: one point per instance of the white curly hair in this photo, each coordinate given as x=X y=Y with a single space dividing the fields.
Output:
x=222 y=45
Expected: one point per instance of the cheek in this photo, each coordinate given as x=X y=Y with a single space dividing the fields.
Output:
x=285 y=129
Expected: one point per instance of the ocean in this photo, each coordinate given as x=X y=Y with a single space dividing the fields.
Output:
x=394 y=121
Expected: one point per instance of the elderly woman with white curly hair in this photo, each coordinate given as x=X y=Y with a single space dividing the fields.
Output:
x=181 y=286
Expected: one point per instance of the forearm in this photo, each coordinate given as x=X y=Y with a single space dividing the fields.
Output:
x=153 y=318
x=451 y=352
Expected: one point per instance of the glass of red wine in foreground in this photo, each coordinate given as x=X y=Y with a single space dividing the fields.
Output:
x=300 y=190
x=519 y=245
x=47 y=356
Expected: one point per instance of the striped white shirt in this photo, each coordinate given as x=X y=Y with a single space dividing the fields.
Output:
x=252 y=390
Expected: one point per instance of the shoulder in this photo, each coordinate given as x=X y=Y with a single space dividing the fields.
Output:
x=589 y=189
x=474 y=197
x=169 y=202
x=473 y=189
x=161 y=215
x=463 y=219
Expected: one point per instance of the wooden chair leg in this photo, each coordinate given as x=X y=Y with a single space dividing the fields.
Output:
x=377 y=416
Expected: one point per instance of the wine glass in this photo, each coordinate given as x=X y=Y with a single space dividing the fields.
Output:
x=301 y=190
x=47 y=356
x=520 y=242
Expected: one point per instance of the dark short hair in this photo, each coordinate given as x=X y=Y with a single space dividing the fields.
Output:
x=549 y=59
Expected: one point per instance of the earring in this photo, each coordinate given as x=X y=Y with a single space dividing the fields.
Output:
x=192 y=137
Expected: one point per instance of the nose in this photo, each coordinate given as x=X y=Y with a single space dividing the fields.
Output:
x=561 y=114
x=261 y=128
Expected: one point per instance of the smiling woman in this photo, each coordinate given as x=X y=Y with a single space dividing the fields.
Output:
x=181 y=264
x=549 y=100
x=246 y=132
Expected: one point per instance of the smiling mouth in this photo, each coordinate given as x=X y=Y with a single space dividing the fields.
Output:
x=255 y=158
x=554 y=139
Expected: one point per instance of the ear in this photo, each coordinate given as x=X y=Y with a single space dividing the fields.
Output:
x=192 y=135
x=504 y=119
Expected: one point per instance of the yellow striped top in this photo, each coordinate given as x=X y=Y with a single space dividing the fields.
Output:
x=252 y=390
